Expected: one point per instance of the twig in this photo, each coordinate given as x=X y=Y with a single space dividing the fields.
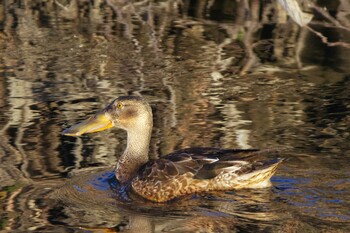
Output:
x=60 y=5
x=329 y=17
x=325 y=39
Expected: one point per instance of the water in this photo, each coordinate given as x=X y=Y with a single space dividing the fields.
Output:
x=214 y=77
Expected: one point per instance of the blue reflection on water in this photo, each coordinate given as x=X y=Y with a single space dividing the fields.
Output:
x=300 y=193
x=79 y=189
x=104 y=181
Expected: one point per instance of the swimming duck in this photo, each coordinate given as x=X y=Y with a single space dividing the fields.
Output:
x=185 y=171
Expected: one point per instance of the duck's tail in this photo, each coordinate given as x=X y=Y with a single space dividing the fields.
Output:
x=260 y=177
x=257 y=176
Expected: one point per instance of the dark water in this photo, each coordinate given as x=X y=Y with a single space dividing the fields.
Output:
x=217 y=73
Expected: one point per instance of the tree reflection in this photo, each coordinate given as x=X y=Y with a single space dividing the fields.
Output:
x=217 y=73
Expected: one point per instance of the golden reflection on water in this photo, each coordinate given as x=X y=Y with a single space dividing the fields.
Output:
x=90 y=192
x=213 y=78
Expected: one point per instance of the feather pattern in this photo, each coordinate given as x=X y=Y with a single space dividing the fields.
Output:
x=203 y=169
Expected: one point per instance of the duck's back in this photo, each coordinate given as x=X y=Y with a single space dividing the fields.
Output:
x=204 y=169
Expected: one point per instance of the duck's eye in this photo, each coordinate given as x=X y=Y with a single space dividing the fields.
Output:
x=119 y=105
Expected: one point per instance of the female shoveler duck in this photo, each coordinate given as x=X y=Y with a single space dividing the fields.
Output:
x=182 y=172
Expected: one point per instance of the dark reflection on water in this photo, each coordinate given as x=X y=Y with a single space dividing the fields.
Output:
x=222 y=211
x=217 y=73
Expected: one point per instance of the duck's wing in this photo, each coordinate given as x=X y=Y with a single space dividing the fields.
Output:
x=202 y=169
x=205 y=163
x=173 y=166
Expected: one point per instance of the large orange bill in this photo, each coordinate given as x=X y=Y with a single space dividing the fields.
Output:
x=96 y=123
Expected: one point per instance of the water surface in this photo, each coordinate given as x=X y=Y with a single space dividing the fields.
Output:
x=217 y=73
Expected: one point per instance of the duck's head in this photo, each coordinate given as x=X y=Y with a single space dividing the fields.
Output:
x=131 y=113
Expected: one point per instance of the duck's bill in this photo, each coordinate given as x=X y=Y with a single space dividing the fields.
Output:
x=96 y=123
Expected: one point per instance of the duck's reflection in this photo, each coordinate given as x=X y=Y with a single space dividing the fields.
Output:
x=95 y=201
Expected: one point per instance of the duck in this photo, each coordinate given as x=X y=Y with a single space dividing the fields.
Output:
x=183 y=172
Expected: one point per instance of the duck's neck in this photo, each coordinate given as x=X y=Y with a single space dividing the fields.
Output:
x=135 y=154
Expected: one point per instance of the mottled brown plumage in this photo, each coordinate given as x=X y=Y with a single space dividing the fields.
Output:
x=203 y=169
x=182 y=172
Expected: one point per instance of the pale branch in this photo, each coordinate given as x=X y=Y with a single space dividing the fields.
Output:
x=324 y=39
x=329 y=17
